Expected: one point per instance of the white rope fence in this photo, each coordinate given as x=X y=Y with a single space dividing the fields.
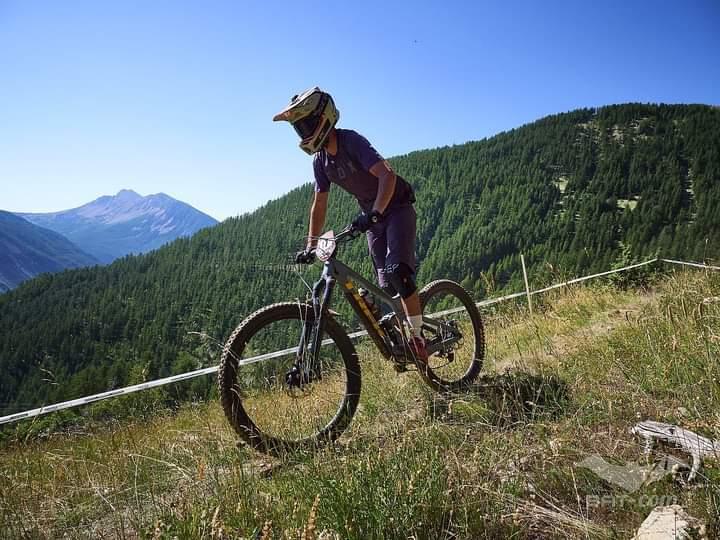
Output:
x=696 y=265
x=207 y=371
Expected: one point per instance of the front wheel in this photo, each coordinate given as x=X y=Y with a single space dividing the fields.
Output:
x=272 y=395
x=458 y=344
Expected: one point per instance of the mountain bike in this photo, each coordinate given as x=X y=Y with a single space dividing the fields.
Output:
x=289 y=375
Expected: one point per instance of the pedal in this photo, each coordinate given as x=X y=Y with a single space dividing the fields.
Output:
x=401 y=361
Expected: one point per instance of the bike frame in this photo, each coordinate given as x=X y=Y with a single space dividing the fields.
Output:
x=335 y=272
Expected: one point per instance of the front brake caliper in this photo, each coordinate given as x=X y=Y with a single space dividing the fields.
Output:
x=293 y=377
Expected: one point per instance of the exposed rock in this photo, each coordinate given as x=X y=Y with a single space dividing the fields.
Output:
x=697 y=446
x=670 y=522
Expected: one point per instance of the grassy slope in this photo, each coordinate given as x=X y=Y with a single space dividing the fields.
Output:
x=496 y=462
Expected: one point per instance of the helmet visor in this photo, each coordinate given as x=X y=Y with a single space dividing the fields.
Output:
x=305 y=127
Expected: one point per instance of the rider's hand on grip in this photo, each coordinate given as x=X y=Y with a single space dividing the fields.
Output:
x=364 y=221
x=306 y=256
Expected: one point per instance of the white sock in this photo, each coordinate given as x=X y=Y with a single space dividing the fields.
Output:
x=415 y=325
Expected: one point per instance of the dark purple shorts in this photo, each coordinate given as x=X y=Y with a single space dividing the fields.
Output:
x=392 y=241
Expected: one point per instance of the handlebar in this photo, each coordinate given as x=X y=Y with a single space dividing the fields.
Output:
x=348 y=233
x=345 y=235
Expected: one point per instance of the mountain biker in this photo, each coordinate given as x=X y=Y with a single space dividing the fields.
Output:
x=346 y=158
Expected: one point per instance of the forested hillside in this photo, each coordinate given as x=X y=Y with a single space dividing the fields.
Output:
x=574 y=192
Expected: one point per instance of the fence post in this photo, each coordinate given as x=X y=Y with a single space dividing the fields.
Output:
x=527 y=286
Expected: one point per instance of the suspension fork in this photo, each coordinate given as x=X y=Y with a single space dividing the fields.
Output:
x=310 y=338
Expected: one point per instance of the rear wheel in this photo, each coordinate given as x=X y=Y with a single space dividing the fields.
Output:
x=458 y=363
x=271 y=400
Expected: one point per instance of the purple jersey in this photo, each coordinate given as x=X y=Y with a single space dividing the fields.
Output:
x=350 y=169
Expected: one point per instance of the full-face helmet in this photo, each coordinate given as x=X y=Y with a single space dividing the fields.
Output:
x=312 y=114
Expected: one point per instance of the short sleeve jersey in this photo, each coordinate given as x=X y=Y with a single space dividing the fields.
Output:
x=350 y=167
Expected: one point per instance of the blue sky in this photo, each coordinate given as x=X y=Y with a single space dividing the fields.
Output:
x=177 y=97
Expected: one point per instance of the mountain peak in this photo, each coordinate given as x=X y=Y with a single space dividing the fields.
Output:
x=115 y=225
x=161 y=197
x=128 y=194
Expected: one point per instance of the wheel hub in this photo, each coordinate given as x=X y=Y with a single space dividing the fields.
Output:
x=450 y=341
x=297 y=381
x=293 y=378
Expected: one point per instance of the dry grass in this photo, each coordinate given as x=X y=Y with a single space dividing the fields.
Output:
x=496 y=462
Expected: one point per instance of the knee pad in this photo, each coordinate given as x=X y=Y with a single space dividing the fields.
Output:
x=401 y=278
